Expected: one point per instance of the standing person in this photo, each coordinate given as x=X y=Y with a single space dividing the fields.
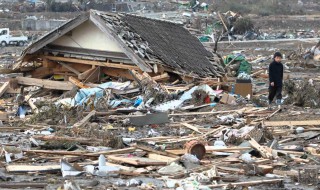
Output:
x=275 y=79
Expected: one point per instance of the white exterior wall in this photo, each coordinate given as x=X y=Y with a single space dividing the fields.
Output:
x=88 y=36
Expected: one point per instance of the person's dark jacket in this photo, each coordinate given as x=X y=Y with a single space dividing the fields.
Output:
x=276 y=73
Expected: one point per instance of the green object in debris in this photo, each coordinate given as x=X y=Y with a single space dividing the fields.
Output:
x=209 y=30
x=245 y=66
x=204 y=39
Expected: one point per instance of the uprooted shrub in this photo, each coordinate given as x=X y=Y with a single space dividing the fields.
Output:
x=302 y=93
x=243 y=25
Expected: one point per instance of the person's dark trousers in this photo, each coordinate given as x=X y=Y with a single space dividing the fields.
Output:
x=275 y=91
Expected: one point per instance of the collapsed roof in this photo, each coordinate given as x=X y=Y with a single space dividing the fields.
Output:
x=144 y=42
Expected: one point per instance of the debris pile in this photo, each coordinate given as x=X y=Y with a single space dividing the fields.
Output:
x=143 y=114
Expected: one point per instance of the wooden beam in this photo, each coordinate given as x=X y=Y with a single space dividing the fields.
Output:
x=164 y=76
x=84 y=120
x=145 y=148
x=226 y=149
x=85 y=74
x=202 y=113
x=30 y=168
x=92 y=62
x=247 y=183
x=69 y=68
x=177 y=151
x=224 y=24
x=162 y=158
x=136 y=161
x=77 y=82
x=94 y=76
x=82 y=153
x=291 y=123
x=113 y=72
x=265 y=153
x=48 y=84
x=191 y=127
x=4 y=88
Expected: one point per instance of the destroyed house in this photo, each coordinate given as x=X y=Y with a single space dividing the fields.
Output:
x=98 y=43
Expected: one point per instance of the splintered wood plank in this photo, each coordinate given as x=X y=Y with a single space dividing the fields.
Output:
x=202 y=113
x=230 y=169
x=226 y=149
x=94 y=76
x=77 y=82
x=177 y=151
x=85 y=74
x=265 y=168
x=48 y=84
x=85 y=119
x=30 y=168
x=4 y=88
x=164 y=76
x=162 y=158
x=91 y=62
x=291 y=123
x=69 y=68
x=263 y=150
x=82 y=153
x=191 y=127
x=165 y=153
x=123 y=73
x=136 y=161
x=247 y=183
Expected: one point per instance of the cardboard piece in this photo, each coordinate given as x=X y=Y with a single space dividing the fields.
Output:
x=243 y=89
x=228 y=99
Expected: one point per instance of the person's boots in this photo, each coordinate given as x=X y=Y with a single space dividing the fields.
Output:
x=279 y=103
x=270 y=106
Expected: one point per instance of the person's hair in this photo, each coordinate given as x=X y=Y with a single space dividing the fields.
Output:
x=277 y=54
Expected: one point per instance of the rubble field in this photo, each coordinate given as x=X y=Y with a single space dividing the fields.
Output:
x=147 y=115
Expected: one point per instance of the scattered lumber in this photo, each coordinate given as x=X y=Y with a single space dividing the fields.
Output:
x=248 y=183
x=291 y=123
x=202 y=113
x=137 y=161
x=213 y=149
